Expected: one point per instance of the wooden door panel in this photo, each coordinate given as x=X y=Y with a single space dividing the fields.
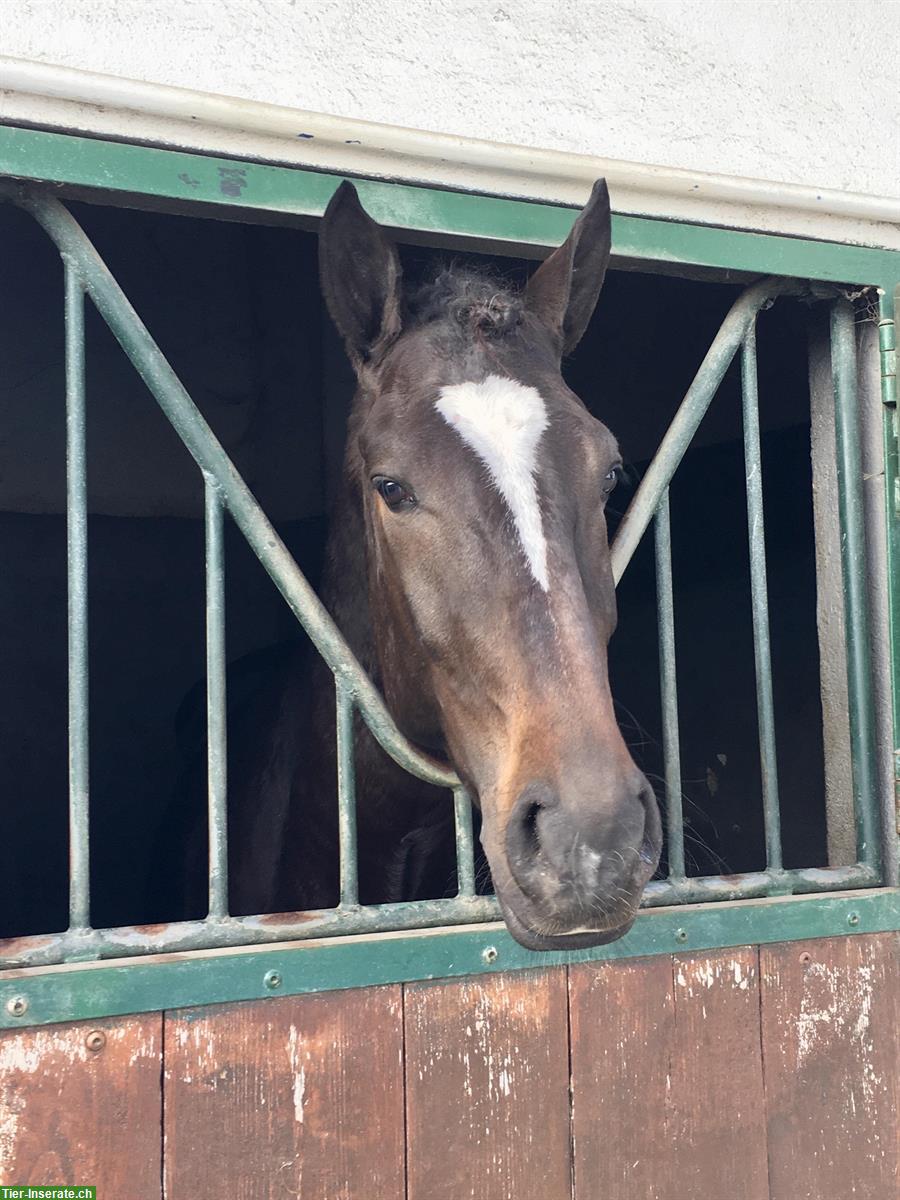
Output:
x=284 y=1098
x=487 y=1078
x=667 y=1089
x=831 y=1039
x=81 y=1104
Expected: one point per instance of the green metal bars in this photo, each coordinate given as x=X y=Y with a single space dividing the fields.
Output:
x=346 y=781
x=465 y=846
x=762 y=653
x=354 y=692
x=668 y=688
x=691 y=412
x=854 y=571
x=887 y=342
x=76 y=549
x=739 y=328
x=216 y=732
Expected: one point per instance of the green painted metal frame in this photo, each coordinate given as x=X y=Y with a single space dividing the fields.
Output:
x=875 y=837
x=138 y=173
x=133 y=171
x=887 y=337
x=762 y=653
x=76 y=558
x=43 y=996
x=216 y=712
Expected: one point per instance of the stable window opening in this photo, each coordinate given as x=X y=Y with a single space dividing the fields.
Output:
x=236 y=309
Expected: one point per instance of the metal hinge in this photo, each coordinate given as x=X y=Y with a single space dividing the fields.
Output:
x=887 y=342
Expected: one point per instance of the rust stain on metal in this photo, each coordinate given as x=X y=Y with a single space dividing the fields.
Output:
x=150 y=930
x=285 y=918
x=16 y=946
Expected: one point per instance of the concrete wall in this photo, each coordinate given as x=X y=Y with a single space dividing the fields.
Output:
x=801 y=92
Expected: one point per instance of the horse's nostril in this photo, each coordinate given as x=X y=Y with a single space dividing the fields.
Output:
x=523 y=832
x=581 y=849
x=529 y=821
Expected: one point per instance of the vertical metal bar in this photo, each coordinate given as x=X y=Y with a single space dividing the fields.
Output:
x=465 y=849
x=76 y=538
x=888 y=345
x=216 y=724
x=854 y=564
x=187 y=421
x=346 y=776
x=668 y=687
x=691 y=412
x=840 y=819
x=759 y=596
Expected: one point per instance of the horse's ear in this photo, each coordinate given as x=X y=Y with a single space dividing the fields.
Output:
x=360 y=273
x=563 y=290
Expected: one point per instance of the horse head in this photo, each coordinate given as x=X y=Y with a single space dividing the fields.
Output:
x=482 y=481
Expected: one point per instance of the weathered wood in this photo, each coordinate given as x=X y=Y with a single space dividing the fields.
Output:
x=622 y=1028
x=718 y=1119
x=487 y=1088
x=304 y=1096
x=667 y=1080
x=831 y=1041
x=289 y=1097
x=81 y=1104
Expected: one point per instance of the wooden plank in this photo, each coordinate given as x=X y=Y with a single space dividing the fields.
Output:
x=81 y=1104
x=288 y=1097
x=831 y=1044
x=718 y=1122
x=623 y=1021
x=487 y=1088
x=667 y=1078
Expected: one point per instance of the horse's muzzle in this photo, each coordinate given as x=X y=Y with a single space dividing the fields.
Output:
x=576 y=872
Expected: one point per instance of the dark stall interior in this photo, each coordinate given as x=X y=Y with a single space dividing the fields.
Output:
x=236 y=309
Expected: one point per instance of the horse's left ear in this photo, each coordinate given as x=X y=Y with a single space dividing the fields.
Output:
x=360 y=274
x=563 y=290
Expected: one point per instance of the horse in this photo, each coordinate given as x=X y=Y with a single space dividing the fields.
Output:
x=468 y=567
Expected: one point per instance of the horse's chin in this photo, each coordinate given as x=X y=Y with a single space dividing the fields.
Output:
x=576 y=939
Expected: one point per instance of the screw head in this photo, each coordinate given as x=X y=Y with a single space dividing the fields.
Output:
x=681 y=935
x=806 y=957
x=853 y=918
x=95 y=1040
x=272 y=980
x=490 y=954
x=17 y=1007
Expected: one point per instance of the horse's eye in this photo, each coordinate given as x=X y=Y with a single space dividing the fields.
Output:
x=394 y=494
x=610 y=479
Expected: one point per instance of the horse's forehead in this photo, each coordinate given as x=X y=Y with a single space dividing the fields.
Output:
x=502 y=422
x=502 y=399
x=496 y=416
x=506 y=416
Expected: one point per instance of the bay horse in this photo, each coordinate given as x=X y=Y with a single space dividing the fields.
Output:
x=468 y=568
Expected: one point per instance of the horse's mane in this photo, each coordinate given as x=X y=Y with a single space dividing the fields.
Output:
x=477 y=299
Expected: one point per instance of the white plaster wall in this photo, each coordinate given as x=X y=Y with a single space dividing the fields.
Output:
x=801 y=91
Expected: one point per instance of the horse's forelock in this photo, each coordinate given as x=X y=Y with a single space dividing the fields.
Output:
x=479 y=302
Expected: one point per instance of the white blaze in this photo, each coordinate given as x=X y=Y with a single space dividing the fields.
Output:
x=502 y=421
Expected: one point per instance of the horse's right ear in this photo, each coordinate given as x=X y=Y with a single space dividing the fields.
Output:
x=564 y=289
x=360 y=273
